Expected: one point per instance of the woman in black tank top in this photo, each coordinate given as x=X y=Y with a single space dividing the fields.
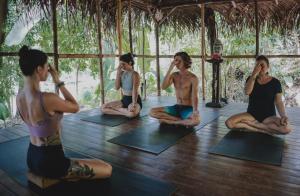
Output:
x=264 y=94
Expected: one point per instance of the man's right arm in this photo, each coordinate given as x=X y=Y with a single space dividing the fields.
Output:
x=168 y=80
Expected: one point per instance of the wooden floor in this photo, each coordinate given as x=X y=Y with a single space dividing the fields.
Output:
x=186 y=164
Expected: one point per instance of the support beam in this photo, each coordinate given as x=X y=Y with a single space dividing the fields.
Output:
x=130 y=26
x=54 y=28
x=119 y=29
x=203 y=50
x=3 y=16
x=143 y=64
x=256 y=29
x=99 y=29
x=157 y=58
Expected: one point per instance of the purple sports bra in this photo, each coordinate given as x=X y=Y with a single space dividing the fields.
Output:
x=46 y=127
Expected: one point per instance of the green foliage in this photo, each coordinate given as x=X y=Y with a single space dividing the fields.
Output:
x=4 y=111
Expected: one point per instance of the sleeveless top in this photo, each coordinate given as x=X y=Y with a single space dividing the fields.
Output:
x=49 y=126
x=127 y=82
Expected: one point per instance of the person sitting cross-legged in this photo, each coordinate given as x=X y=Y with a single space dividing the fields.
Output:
x=128 y=80
x=185 y=112
x=264 y=94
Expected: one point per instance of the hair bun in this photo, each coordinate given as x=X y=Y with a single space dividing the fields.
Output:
x=23 y=51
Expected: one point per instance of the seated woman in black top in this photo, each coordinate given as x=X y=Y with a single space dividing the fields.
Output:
x=264 y=94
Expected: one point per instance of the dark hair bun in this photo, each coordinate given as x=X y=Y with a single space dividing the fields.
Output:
x=128 y=58
x=30 y=59
x=23 y=51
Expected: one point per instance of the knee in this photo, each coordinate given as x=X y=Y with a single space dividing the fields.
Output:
x=229 y=124
x=153 y=113
x=286 y=130
x=107 y=170
x=132 y=114
x=103 y=107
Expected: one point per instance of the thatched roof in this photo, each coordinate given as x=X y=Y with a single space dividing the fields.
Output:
x=279 y=15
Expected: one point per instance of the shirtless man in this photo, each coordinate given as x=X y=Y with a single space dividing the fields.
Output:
x=185 y=112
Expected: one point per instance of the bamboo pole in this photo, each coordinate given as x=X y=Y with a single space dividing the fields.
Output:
x=144 y=76
x=203 y=49
x=82 y=56
x=256 y=29
x=119 y=30
x=54 y=28
x=157 y=58
x=130 y=27
x=99 y=27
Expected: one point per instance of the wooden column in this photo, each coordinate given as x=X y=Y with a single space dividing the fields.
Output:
x=119 y=30
x=157 y=58
x=99 y=28
x=143 y=64
x=54 y=28
x=130 y=26
x=256 y=29
x=203 y=49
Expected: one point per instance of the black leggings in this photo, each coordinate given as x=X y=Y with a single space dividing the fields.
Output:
x=47 y=161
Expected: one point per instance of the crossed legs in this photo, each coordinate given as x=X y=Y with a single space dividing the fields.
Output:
x=115 y=108
x=163 y=117
x=270 y=125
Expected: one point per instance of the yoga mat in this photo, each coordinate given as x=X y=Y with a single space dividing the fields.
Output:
x=122 y=182
x=252 y=146
x=110 y=120
x=156 y=138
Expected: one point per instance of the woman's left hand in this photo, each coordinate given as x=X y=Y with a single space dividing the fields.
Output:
x=132 y=107
x=284 y=120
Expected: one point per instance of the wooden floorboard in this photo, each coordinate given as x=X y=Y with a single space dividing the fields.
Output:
x=187 y=164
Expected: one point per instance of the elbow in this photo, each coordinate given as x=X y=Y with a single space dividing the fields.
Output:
x=76 y=108
x=163 y=87
x=247 y=92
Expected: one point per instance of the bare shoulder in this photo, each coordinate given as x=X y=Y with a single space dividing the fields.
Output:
x=135 y=73
x=193 y=77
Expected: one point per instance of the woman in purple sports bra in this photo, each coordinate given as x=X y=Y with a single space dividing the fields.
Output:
x=42 y=112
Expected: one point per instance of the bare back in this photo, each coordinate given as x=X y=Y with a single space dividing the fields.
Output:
x=29 y=106
x=183 y=87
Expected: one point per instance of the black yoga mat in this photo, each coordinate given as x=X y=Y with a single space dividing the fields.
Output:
x=110 y=120
x=156 y=138
x=252 y=146
x=122 y=182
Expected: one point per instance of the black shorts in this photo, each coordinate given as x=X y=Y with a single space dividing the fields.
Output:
x=127 y=100
x=47 y=161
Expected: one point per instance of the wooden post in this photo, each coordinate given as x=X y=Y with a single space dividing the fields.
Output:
x=130 y=27
x=143 y=64
x=119 y=30
x=256 y=29
x=54 y=28
x=157 y=58
x=98 y=6
x=203 y=49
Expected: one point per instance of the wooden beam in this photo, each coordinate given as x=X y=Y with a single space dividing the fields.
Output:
x=119 y=29
x=256 y=29
x=88 y=56
x=157 y=58
x=3 y=16
x=203 y=50
x=143 y=60
x=168 y=14
x=54 y=29
x=99 y=29
x=130 y=26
